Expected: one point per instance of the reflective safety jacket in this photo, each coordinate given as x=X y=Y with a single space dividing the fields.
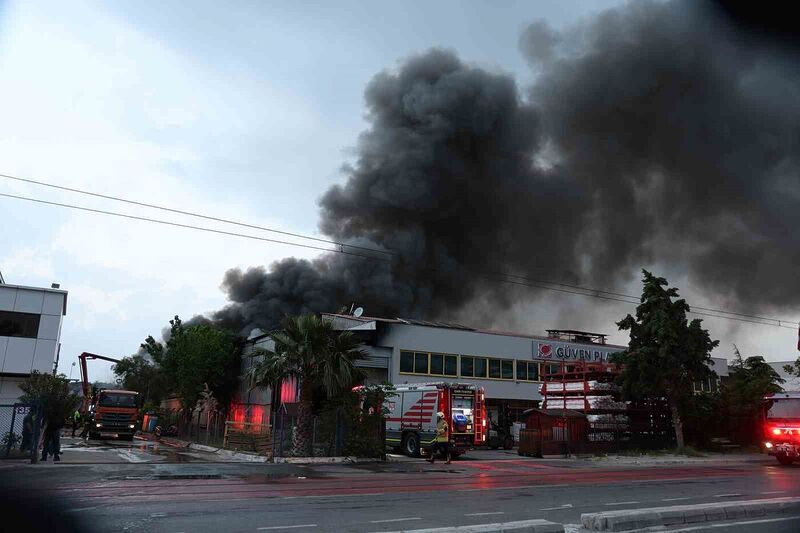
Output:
x=442 y=431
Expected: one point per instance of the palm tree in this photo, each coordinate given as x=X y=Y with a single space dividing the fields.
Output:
x=310 y=350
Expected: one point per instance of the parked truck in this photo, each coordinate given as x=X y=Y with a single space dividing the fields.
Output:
x=109 y=412
x=411 y=422
x=114 y=414
x=781 y=426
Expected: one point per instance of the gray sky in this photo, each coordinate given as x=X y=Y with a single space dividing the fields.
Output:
x=243 y=110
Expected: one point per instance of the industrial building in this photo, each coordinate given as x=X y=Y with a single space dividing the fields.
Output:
x=507 y=365
x=30 y=334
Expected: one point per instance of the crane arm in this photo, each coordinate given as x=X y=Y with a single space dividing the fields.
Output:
x=87 y=387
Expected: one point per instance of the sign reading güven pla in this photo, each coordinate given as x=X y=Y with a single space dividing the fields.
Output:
x=564 y=351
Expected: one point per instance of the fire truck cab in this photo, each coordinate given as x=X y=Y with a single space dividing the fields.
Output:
x=411 y=422
x=781 y=426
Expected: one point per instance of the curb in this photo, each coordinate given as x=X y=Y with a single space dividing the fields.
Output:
x=526 y=526
x=625 y=520
x=175 y=443
x=324 y=460
x=240 y=456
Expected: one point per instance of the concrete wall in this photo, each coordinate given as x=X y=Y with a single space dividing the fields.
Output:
x=258 y=395
x=19 y=356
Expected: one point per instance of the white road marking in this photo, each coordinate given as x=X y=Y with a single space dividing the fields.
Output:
x=774 y=492
x=731 y=495
x=484 y=514
x=157 y=515
x=130 y=457
x=728 y=524
x=395 y=520
x=286 y=527
x=621 y=503
x=675 y=499
x=565 y=506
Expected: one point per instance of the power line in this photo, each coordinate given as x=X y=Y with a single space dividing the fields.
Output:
x=496 y=276
x=191 y=214
x=187 y=226
x=364 y=248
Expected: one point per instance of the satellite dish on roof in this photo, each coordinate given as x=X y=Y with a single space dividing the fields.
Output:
x=358 y=312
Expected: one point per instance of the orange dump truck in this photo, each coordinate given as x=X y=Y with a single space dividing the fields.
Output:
x=114 y=414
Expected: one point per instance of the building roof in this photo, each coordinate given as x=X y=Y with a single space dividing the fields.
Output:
x=792 y=383
x=42 y=289
x=365 y=320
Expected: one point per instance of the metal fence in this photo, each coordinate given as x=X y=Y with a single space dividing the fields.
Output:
x=19 y=431
x=334 y=433
x=201 y=427
x=327 y=437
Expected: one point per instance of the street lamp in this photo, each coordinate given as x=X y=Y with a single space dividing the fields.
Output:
x=71 y=369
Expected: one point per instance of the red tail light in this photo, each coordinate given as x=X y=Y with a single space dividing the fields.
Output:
x=786 y=432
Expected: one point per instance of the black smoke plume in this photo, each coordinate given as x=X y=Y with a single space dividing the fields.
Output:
x=655 y=133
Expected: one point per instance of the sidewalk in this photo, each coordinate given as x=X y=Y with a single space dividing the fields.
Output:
x=667 y=459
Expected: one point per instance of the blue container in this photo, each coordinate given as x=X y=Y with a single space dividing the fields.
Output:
x=460 y=423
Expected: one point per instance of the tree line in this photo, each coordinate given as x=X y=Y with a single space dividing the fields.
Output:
x=668 y=355
x=190 y=359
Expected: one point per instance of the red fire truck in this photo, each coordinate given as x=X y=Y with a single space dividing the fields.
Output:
x=781 y=426
x=411 y=422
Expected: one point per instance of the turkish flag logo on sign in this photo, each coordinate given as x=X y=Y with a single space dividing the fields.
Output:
x=546 y=351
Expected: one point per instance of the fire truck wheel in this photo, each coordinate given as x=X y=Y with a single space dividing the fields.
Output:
x=411 y=445
x=784 y=460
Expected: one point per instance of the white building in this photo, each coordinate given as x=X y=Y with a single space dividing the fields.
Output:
x=792 y=382
x=30 y=334
x=509 y=366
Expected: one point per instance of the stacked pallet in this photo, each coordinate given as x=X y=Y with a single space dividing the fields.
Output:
x=248 y=439
x=588 y=388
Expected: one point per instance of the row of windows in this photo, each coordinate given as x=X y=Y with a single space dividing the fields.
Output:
x=432 y=364
x=467 y=366
x=706 y=385
x=14 y=324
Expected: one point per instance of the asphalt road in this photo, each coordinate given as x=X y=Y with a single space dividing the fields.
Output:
x=163 y=490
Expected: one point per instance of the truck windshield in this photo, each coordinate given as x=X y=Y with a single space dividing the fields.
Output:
x=117 y=400
x=789 y=408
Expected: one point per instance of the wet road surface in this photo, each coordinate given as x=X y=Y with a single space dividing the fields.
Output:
x=174 y=491
x=80 y=451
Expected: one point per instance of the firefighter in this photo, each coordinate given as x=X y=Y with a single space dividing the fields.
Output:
x=76 y=420
x=442 y=441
